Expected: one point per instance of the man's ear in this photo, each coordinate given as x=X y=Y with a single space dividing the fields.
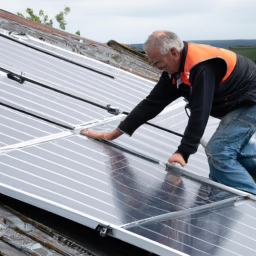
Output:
x=174 y=51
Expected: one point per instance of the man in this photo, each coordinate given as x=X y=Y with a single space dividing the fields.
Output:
x=216 y=82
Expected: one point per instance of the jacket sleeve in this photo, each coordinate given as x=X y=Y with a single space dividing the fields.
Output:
x=162 y=94
x=205 y=79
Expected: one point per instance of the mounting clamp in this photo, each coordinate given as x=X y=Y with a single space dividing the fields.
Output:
x=16 y=78
x=103 y=230
x=113 y=110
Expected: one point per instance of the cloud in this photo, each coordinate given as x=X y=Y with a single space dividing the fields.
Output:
x=132 y=21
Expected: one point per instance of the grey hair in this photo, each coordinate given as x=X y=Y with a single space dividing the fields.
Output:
x=163 y=41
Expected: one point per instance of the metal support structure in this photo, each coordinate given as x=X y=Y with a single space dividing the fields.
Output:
x=144 y=243
x=178 y=214
x=76 y=130
x=28 y=143
x=24 y=78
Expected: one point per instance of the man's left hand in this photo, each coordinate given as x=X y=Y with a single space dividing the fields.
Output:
x=176 y=157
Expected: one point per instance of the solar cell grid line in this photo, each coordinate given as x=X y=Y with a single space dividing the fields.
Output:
x=174 y=242
x=48 y=104
x=63 y=199
x=180 y=127
x=218 y=232
x=185 y=247
x=145 y=193
x=50 y=137
x=10 y=94
x=120 y=74
x=138 y=169
x=220 y=236
x=120 y=103
x=114 y=170
x=124 y=81
x=16 y=127
x=32 y=56
x=45 y=52
x=158 y=144
x=27 y=121
x=92 y=90
x=137 y=160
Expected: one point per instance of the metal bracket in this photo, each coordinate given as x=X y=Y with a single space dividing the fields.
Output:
x=16 y=78
x=77 y=129
x=103 y=230
x=113 y=110
x=12 y=33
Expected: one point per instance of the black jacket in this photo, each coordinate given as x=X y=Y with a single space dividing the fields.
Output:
x=206 y=97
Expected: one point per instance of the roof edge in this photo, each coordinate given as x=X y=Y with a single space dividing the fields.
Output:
x=33 y=24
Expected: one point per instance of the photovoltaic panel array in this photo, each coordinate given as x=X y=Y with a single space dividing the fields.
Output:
x=124 y=186
x=125 y=91
x=48 y=104
x=70 y=78
x=102 y=181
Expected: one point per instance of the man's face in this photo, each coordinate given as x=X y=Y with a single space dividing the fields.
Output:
x=169 y=62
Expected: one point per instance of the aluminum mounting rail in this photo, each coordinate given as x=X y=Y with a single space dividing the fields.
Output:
x=76 y=130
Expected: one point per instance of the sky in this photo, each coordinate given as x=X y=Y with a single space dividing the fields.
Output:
x=132 y=21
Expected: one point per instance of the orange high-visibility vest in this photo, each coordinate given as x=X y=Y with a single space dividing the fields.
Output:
x=198 y=53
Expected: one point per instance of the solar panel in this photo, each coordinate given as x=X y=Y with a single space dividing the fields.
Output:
x=69 y=77
x=48 y=104
x=157 y=144
x=228 y=230
x=125 y=91
x=98 y=180
x=16 y=127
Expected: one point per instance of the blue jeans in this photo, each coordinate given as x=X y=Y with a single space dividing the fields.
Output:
x=232 y=150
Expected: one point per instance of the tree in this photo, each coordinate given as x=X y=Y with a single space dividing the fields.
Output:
x=78 y=32
x=44 y=19
x=60 y=18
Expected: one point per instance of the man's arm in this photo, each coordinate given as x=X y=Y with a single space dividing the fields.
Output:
x=162 y=94
x=205 y=79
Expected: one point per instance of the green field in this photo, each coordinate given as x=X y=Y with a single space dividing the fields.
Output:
x=247 y=51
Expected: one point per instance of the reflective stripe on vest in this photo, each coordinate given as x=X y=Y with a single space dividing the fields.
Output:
x=198 y=53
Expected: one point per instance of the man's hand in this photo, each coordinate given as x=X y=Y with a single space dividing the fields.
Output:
x=176 y=157
x=102 y=135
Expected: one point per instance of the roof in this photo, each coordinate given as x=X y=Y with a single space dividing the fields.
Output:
x=135 y=62
x=123 y=189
